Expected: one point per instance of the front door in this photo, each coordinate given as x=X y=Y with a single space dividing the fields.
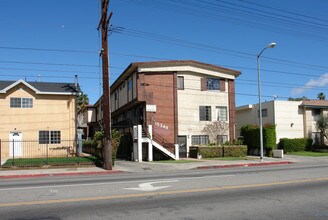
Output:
x=15 y=145
x=182 y=142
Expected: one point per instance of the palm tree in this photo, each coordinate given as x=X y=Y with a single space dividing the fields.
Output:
x=321 y=96
x=82 y=100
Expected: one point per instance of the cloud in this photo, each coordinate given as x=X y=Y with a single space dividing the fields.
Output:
x=318 y=82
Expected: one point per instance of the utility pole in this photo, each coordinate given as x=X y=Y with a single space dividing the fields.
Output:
x=103 y=24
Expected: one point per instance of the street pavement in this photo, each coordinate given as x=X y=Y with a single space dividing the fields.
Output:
x=122 y=166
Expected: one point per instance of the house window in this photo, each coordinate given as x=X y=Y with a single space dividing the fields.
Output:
x=130 y=84
x=199 y=139
x=27 y=102
x=52 y=137
x=264 y=113
x=205 y=113
x=21 y=103
x=180 y=82
x=221 y=112
x=316 y=112
x=43 y=137
x=222 y=139
x=212 y=84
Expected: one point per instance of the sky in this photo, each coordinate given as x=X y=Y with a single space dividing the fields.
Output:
x=52 y=41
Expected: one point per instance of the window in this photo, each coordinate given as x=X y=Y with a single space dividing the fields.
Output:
x=43 y=137
x=27 y=102
x=52 y=137
x=180 y=83
x=222 y=139
x=199 y=139
x=205 y=113
x=316 y=112
x=212 y=84
x=130 y=84
x=221 y=113
x=264 y=113
x=15 y=102
x=21 y=103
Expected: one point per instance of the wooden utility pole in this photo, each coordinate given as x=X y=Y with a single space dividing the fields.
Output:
x=103 y=24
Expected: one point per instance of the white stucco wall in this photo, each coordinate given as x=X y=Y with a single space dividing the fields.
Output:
x=286 y=115
x=288 y=119
x=189 y=101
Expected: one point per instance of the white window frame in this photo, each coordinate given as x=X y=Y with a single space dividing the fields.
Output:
x=49 y=137
x=18 y=102
x=221 y=113
x=205 y=113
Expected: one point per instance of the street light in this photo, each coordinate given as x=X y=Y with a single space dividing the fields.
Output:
x=271 y=45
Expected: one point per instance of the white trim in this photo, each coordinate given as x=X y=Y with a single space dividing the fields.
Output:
x=16 y=83
x=186 y=69
x=35 y=90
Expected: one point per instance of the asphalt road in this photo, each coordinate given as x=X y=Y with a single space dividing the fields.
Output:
x=277 y=192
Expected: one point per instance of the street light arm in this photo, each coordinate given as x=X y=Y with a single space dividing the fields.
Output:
x=271 y=45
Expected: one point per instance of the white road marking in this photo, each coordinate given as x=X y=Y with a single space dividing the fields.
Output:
x=148 y=187
x=109 y=183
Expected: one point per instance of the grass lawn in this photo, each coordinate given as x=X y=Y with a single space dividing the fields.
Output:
x=231 y=158
x=309 y=154
x=50 y=161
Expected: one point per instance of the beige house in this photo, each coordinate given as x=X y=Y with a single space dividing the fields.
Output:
x=37 y=118
x=293 y=119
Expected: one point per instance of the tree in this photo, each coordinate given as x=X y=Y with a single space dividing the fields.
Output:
x=322 y=126
x=82 y=100
x=321 y=96
x=298 y=99
x=215 y=128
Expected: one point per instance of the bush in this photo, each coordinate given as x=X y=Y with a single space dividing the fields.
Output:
x=294 y=145
x=218 y=151
x=210 y=152
x=235 y=151
x=95 y=146
x=251 y=136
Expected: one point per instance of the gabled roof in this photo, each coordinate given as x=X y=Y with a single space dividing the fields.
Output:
x=315 y=103
x=50 y=88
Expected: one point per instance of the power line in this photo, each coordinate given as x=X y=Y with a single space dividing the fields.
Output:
x=233 y=15
x=49 y=50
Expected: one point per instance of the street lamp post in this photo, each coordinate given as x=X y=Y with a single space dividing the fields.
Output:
x=271 y=45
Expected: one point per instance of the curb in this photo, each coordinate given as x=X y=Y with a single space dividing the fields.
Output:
x=13 y=176
x=243 y=165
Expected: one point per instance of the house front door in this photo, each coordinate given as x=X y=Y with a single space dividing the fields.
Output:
x=15 y=145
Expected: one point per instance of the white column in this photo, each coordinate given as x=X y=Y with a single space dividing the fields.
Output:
x=139 y=143
x=150 y=143
x=176 y=149
x=135 y=143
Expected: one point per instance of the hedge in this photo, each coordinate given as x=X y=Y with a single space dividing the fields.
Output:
x=218 y=151
x=294 y=145
x=251 y=137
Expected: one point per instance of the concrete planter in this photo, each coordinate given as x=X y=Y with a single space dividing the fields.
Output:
x=278 y=153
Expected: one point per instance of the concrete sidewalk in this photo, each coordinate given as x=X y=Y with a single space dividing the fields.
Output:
x=122 y=166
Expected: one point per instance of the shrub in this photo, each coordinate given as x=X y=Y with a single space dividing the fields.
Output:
x=294 y=145
x=235 y=151
x=251 y=136
x=95 y=146
x=210 y=152
x=218 y=151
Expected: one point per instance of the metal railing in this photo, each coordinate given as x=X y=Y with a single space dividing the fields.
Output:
x=165 y=143
x=33 y=153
